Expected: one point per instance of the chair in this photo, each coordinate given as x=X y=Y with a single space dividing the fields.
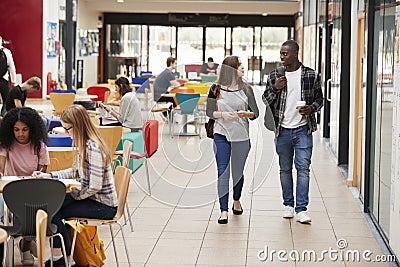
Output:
x=111 y=136
x=54 y=165
x=187 y=105
x=181 y=90
x=41 y=225
x=125 y=153
x=159 y=107
x=25 y=197
x=61 y=101
x=208 y=78
x=99 y=91
x=121 y=181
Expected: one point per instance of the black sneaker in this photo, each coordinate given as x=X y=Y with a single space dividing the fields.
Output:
x=58 y=263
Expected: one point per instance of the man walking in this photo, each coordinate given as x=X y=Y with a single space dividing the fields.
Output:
x=294 y=94
x=6 y=65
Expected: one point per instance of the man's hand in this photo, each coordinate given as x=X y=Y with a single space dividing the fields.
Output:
x=280 y=83
x=305 y=110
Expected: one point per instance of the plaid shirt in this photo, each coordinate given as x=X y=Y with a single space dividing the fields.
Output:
x=311 y=92
x=97 y=182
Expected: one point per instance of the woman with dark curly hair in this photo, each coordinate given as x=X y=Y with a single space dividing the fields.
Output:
x=22 y=151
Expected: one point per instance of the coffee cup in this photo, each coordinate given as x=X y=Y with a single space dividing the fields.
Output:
x=300 y=104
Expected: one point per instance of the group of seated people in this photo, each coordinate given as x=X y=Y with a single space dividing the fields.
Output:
x=23 y=152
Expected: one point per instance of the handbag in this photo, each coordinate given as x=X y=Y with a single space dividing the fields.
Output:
x=89 y=249
x=210 y=128
x=210 y=124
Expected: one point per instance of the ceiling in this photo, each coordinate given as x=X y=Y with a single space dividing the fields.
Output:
x=196 y=6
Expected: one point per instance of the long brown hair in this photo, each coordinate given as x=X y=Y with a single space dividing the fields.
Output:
x=228 y=74
x=84 y=129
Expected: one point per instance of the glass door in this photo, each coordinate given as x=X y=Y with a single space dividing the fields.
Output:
x=215 y=44
x=189 y=48
x=242 y=46
x=161 y=40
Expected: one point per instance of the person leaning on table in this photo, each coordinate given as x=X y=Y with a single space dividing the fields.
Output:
x=97 y=197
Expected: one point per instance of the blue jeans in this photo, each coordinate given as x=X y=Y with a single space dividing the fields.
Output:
x=86 y=208
x=230 y=155
x=298 y=143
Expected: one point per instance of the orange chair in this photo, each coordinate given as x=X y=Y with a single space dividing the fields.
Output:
x=99 y=91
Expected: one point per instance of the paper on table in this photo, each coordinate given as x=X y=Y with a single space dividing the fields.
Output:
x=10 y=178
x=70 y=182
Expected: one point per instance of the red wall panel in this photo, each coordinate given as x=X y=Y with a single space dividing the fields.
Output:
x=21 y=21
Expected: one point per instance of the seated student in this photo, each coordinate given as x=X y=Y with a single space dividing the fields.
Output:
x=22 y=151
x=129 y=115
x=17 y=96
x=165 y=81
x=209 y=68
x=97 y=198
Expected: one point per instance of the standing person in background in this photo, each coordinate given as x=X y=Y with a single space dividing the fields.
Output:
x=7 y=73
x=130 y=115
x=294 y=95
x=165 y=80
x=97 y=198
x=209 y=68
x=231 y=104
x=22 y=151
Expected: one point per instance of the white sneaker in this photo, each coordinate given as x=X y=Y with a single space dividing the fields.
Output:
x=26 y=256
x=302 y=217
x=288 y=213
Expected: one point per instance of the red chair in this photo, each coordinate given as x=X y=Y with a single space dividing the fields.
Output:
x=99 y=91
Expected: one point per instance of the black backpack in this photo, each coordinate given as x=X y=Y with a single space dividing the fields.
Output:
x=3 y=63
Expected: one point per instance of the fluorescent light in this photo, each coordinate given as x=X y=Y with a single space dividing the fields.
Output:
x=120 y=1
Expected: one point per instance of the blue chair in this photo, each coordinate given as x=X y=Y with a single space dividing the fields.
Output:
x=146 y=73
x=139 y=80
x=64 y=91
x=137 y=146
x=187 y=105
x=142 y=88
x=59 y=140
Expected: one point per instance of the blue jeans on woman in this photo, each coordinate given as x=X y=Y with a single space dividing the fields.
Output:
x=298 y=143
x=86 y=208
x=230 y=155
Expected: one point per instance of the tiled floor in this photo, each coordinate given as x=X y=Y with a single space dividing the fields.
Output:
x=177 y=224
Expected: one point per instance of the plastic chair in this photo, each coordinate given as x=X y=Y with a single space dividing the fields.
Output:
x=25 y=197
x=41 y=225
x=61 y=101
x=121 y=181
x=181 y=90
x=99 y=91
x=187 y=104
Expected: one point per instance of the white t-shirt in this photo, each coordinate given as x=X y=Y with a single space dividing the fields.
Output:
x=292 y=118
